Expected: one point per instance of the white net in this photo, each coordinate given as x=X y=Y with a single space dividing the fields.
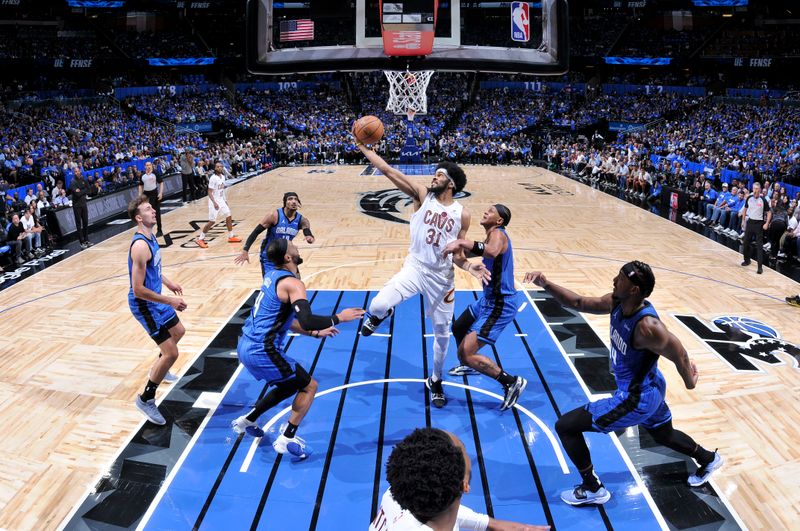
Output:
x=407 y=92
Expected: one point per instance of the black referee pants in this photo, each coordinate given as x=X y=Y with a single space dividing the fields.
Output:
x=754 y=227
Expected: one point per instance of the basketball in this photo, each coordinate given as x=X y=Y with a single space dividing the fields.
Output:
x=368 y=129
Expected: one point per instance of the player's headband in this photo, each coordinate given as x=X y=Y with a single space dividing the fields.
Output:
x=442 y=170
x=287 y=195
x=640 y=276
x=504 y=213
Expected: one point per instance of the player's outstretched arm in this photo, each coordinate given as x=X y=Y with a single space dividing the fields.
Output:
x=469 y=520
x=414 y=190
x=570 y=299
x=294 y=291
x=327 y=332
x=651 y=334
x=269 y=219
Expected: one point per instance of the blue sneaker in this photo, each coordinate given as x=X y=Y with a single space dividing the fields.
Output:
x=580 y=496
x=150 y=410
x=295 y=446
x=242 y=425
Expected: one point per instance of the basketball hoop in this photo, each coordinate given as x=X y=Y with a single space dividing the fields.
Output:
x=407 y=92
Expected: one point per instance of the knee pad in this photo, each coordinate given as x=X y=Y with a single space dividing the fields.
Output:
x=461 y=326
x=440 y=333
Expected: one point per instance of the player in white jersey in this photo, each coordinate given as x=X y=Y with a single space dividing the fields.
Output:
x=428 y=472
x=438 y=219
x=217 y=205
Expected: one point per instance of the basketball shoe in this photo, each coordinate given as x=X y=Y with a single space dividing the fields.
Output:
x=513 y=393
x=462 y=370
x=150 y=410
x=703 y=473
x=794 y=301
x=580 y=495
x=437 y=392
x=242 y=425
x=372 y=323
x=295 y=446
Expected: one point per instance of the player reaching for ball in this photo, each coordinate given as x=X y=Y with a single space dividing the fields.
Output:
x=438 y=219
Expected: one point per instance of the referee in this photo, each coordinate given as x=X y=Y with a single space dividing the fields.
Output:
x=755 y=220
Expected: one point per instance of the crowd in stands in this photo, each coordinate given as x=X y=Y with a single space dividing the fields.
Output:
x=593 y=36
x=644 y=40
x=768 y=41
x=48 y=42
x=625 y=168
x=146 y=44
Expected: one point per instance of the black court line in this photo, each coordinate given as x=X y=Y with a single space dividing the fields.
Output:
x=528 y=454
x=335 y=431
x=425 y=362
x=379 y=457
x=274 y=472
x=601 y=509
x=481 y=465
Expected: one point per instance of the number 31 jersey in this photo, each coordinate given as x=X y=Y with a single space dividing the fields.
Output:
x=433 y=226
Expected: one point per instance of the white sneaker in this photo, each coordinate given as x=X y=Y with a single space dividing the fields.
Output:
x=703 y=473
x=580 y=496
x=703 y=219
x=242 y=425
x=295 y=446
x=170 y=377
x=150 y=410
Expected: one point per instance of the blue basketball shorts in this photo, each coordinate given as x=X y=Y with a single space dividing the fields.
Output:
x=265 y=362
x=155 y=317
x=492 y=316
x=623 y=410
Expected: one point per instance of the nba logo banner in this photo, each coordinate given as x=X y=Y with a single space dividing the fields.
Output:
x=520 y=22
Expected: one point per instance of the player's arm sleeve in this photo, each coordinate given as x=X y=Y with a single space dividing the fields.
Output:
x=253 y=235
x=310 y=321
x=470 y=520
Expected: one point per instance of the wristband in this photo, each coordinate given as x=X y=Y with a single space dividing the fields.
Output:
x=478 y=248
x=334 y=319
x=307 y=232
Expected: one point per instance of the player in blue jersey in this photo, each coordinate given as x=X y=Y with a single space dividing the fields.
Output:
x=484 y=320
x=638 y=338
x=282 y=223
x=156 y=312
x=261 y=345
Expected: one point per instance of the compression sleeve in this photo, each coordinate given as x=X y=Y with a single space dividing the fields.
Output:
x=253 y=235
x=308 y=320
x=470 y=520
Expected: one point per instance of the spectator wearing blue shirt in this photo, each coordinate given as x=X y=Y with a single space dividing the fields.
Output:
x=720 y=209
x=708 y=199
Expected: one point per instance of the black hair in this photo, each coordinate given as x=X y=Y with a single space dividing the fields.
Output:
x=455 y=172
x=276 y=251
x=641 y=275
x=426 y=473
x=504 y=212
x=287 y=195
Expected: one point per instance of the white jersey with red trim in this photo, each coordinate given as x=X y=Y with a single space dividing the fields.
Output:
x=433 y=226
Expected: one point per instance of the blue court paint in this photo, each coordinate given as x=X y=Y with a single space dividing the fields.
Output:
x=505 y=482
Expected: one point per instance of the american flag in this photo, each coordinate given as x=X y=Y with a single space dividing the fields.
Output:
x=297 y=30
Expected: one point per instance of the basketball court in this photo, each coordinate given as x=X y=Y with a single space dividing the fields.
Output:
x=80 y=457
x=77 y=455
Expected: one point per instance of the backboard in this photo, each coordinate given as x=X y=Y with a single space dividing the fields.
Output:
x=345 y=35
